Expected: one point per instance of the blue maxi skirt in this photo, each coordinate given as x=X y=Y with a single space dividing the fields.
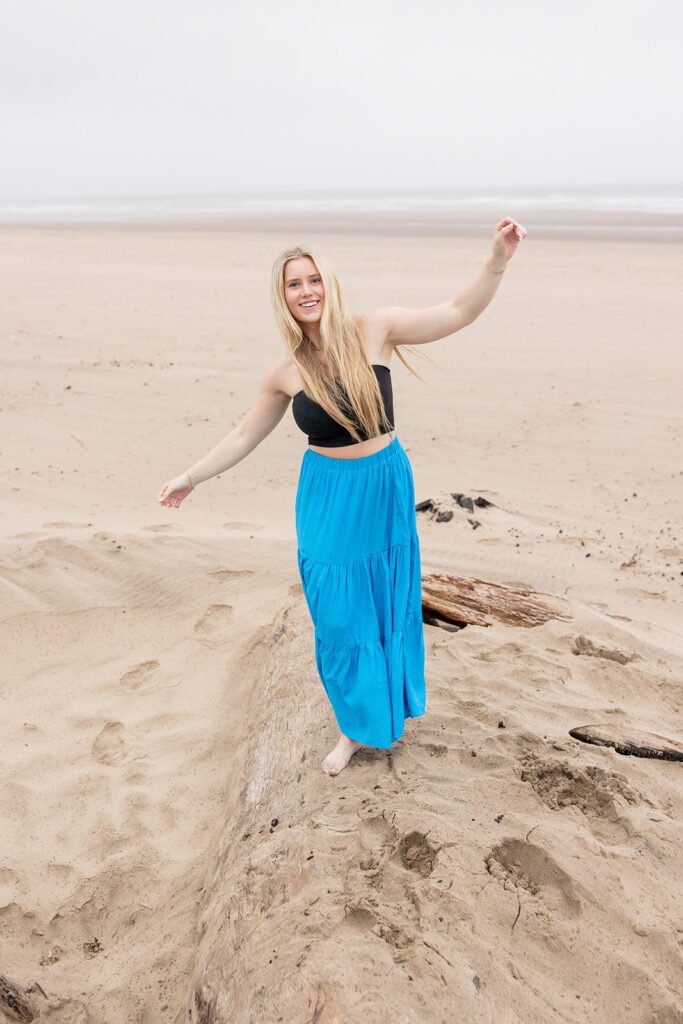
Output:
x=359 y=562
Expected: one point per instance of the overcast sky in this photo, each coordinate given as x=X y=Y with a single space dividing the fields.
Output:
x=172 y=96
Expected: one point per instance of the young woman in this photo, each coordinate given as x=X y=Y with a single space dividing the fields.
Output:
x=358 y=549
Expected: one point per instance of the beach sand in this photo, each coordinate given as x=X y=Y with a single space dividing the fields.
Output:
x=160 y=697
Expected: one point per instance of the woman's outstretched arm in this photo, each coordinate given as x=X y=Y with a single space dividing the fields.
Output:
x=403 y=326
x=266 y=412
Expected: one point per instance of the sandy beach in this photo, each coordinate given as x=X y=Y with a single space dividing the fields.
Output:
x=160 y=695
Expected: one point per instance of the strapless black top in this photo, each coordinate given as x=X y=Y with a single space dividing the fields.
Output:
x=325 y=432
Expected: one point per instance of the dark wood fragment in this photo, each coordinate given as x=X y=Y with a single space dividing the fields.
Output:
x=14 y=1002
x=629 y=741
x=451 y=627
x=463 y=501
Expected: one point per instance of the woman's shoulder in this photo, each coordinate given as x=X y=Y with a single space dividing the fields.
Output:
x=283 y=375
x=374 y=332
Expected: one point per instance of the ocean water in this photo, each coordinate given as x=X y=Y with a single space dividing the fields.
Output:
x=648 y=206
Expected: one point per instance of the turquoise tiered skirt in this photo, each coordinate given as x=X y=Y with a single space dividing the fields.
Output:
x=359 y=562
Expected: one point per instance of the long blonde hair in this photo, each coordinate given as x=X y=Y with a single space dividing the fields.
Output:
x=341 y=347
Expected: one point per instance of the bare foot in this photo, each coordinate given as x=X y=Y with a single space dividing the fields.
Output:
x=341 y=755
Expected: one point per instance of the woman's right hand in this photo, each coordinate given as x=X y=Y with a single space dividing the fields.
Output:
x=173 y=491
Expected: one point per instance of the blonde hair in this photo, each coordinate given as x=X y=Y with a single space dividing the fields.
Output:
x=341 y=347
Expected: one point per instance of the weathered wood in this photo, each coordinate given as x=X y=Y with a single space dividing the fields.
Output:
x=630 y=741
x=14 y=1002
x=468 y=601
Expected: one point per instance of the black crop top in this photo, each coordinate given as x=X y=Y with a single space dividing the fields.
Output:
x=325 y=432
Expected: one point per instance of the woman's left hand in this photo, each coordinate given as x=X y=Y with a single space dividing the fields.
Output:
x=507 y=235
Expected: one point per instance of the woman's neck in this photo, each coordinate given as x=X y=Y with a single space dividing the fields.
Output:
x=315 y=341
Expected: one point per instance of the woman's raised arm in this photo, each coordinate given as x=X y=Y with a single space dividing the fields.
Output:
x=403 y=326
x=266 y=412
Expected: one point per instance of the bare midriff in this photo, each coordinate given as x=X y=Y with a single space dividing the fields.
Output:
x=356 y=451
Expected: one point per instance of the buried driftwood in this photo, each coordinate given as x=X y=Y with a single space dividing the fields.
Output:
x=630 y=741
x=14 y=1002
x=467 y=601
x=333 y=899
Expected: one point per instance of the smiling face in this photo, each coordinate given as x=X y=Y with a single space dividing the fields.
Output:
x=304 y=290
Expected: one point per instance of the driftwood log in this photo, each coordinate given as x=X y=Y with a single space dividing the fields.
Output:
x=14 y=1002
x=461 y=601
x=630 y=741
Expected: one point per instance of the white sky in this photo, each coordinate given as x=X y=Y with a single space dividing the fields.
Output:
x=169 y=96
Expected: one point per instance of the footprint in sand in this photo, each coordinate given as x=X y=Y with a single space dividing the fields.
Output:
x=9 y=880
x=358 y=918
x=583 y=645
x=501 y=653
x=229 y=574
x=416 y=854
x=436 y=749
x=600 y=794
x=165 y=528
x=139 y=676
x=393 y=934
x=377 y=842
x=519 y=865
x=60 y=874
x=109 y=746
x=642 y=592
x=65 y=526
x=241 y=526
x=214 y=623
